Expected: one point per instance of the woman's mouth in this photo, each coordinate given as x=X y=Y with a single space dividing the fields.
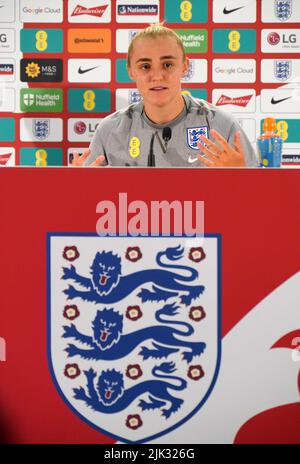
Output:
x=158 y=88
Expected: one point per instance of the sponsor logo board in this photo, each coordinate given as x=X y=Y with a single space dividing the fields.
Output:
x=7 y=100
x=41 y=11
x=89 y=100
x=41 y=40
x=123 y=39
x=137 y=11
x=89 y=70
x=248 y=125
x=280 y=11
x=7 y=70
x=234 y=71
x=235 y=100
x=79 y=150
x=7 y=11
x=41 y=157
x=7 y=40
x=89 y=40
x=280 y=100
x=234 y=11
x=186 y=12
x=82 y=130
x=280 y=70
x=7 y=156
x=41 y=70
x=194 y=40
x=234 y=40
x=89 y=11
x=41 y=100
x=41 y=130
x=125 y=97
x=280 y=41
x=288 y=128
x=197 y=72
x=7 y=130
x=291 y=157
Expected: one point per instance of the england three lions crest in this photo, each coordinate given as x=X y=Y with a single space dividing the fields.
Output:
x=134 y=329
x=283 y=9
x=283 y=69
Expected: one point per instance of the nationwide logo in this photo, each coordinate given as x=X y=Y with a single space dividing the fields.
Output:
x=283 y=9
x=97 y=11
x=5 y=158
x=238 y=101
x=136 y=10
x=6 y=69
x=282 y=69
x=273 y=38
x=32 y=70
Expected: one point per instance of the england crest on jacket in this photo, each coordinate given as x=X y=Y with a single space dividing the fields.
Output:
x=134 y=325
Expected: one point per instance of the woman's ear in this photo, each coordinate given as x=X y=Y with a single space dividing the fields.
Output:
x=186 y=65
x=130 y=72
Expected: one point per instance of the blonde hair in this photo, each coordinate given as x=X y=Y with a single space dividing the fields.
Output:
x=154 y=31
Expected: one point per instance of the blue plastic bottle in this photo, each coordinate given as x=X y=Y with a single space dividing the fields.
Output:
x=269 y=145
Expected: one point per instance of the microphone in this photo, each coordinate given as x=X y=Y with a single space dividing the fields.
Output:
x=166 y=135
x=151 y=157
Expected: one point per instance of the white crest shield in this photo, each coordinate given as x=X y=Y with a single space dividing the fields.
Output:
x=134 y=325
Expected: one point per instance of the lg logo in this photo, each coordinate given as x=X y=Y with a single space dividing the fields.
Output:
x=3 y=38
x=274 y=38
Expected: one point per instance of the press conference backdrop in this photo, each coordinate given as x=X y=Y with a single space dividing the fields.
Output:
x=63 y=68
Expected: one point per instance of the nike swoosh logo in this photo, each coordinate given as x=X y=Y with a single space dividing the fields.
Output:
x=275 y=102
x=192 y=160
x=83 y=71
x=226 y=12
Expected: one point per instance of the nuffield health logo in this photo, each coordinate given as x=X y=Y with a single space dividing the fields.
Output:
x=134 y=329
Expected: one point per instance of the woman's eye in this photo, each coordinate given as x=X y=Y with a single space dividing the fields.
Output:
x=168 y=65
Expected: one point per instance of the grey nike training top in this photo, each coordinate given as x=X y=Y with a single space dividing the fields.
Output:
x=124 y=136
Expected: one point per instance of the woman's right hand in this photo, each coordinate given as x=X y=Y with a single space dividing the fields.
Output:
x=78 y=161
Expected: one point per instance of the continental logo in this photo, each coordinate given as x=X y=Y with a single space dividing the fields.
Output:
x=89 y=40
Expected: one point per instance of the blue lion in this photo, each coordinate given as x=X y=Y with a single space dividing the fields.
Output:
x=108 y=342
x=107 y=285
x=110 y=397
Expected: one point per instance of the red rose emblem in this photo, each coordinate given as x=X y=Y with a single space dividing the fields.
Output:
x=197 y=254
x=134 y=313
x=195 y=372
x=197 y=313
x=72 y=371
x=134 y=371
x=71 y=312
x=133 y=254
x=71 y=253
x=134 y=421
